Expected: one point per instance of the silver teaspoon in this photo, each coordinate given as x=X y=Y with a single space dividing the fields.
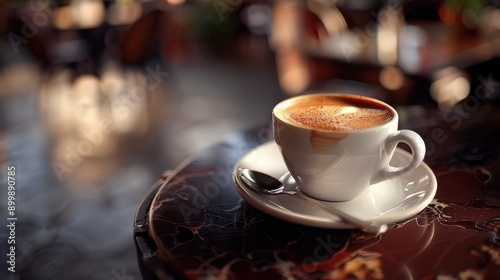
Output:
x=264 y=183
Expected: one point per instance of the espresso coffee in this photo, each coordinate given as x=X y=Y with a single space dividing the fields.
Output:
x=337 y=145
x=336 y=113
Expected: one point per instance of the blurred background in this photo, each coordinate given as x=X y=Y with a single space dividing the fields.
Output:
x=99 y=97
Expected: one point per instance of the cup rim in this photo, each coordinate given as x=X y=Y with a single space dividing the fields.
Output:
x=395 y=117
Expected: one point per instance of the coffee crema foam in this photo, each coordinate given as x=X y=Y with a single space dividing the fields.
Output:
x=337 y=114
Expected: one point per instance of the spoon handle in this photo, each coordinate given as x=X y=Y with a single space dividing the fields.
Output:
x=346 y=218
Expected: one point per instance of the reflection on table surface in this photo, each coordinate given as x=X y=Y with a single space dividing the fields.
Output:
x=99 y=98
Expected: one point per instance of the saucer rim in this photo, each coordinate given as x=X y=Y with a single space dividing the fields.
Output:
x=308 y=219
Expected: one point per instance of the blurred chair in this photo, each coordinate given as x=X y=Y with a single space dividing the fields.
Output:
x=103 y=77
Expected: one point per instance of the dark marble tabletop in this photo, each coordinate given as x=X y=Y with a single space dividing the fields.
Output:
x=193 y=224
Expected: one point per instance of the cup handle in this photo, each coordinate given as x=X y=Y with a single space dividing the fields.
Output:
x=417 y=147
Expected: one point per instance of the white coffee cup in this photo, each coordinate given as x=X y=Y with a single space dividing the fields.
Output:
x=340 y=165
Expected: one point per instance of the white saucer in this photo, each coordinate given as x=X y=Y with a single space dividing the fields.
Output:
x=389 y=201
